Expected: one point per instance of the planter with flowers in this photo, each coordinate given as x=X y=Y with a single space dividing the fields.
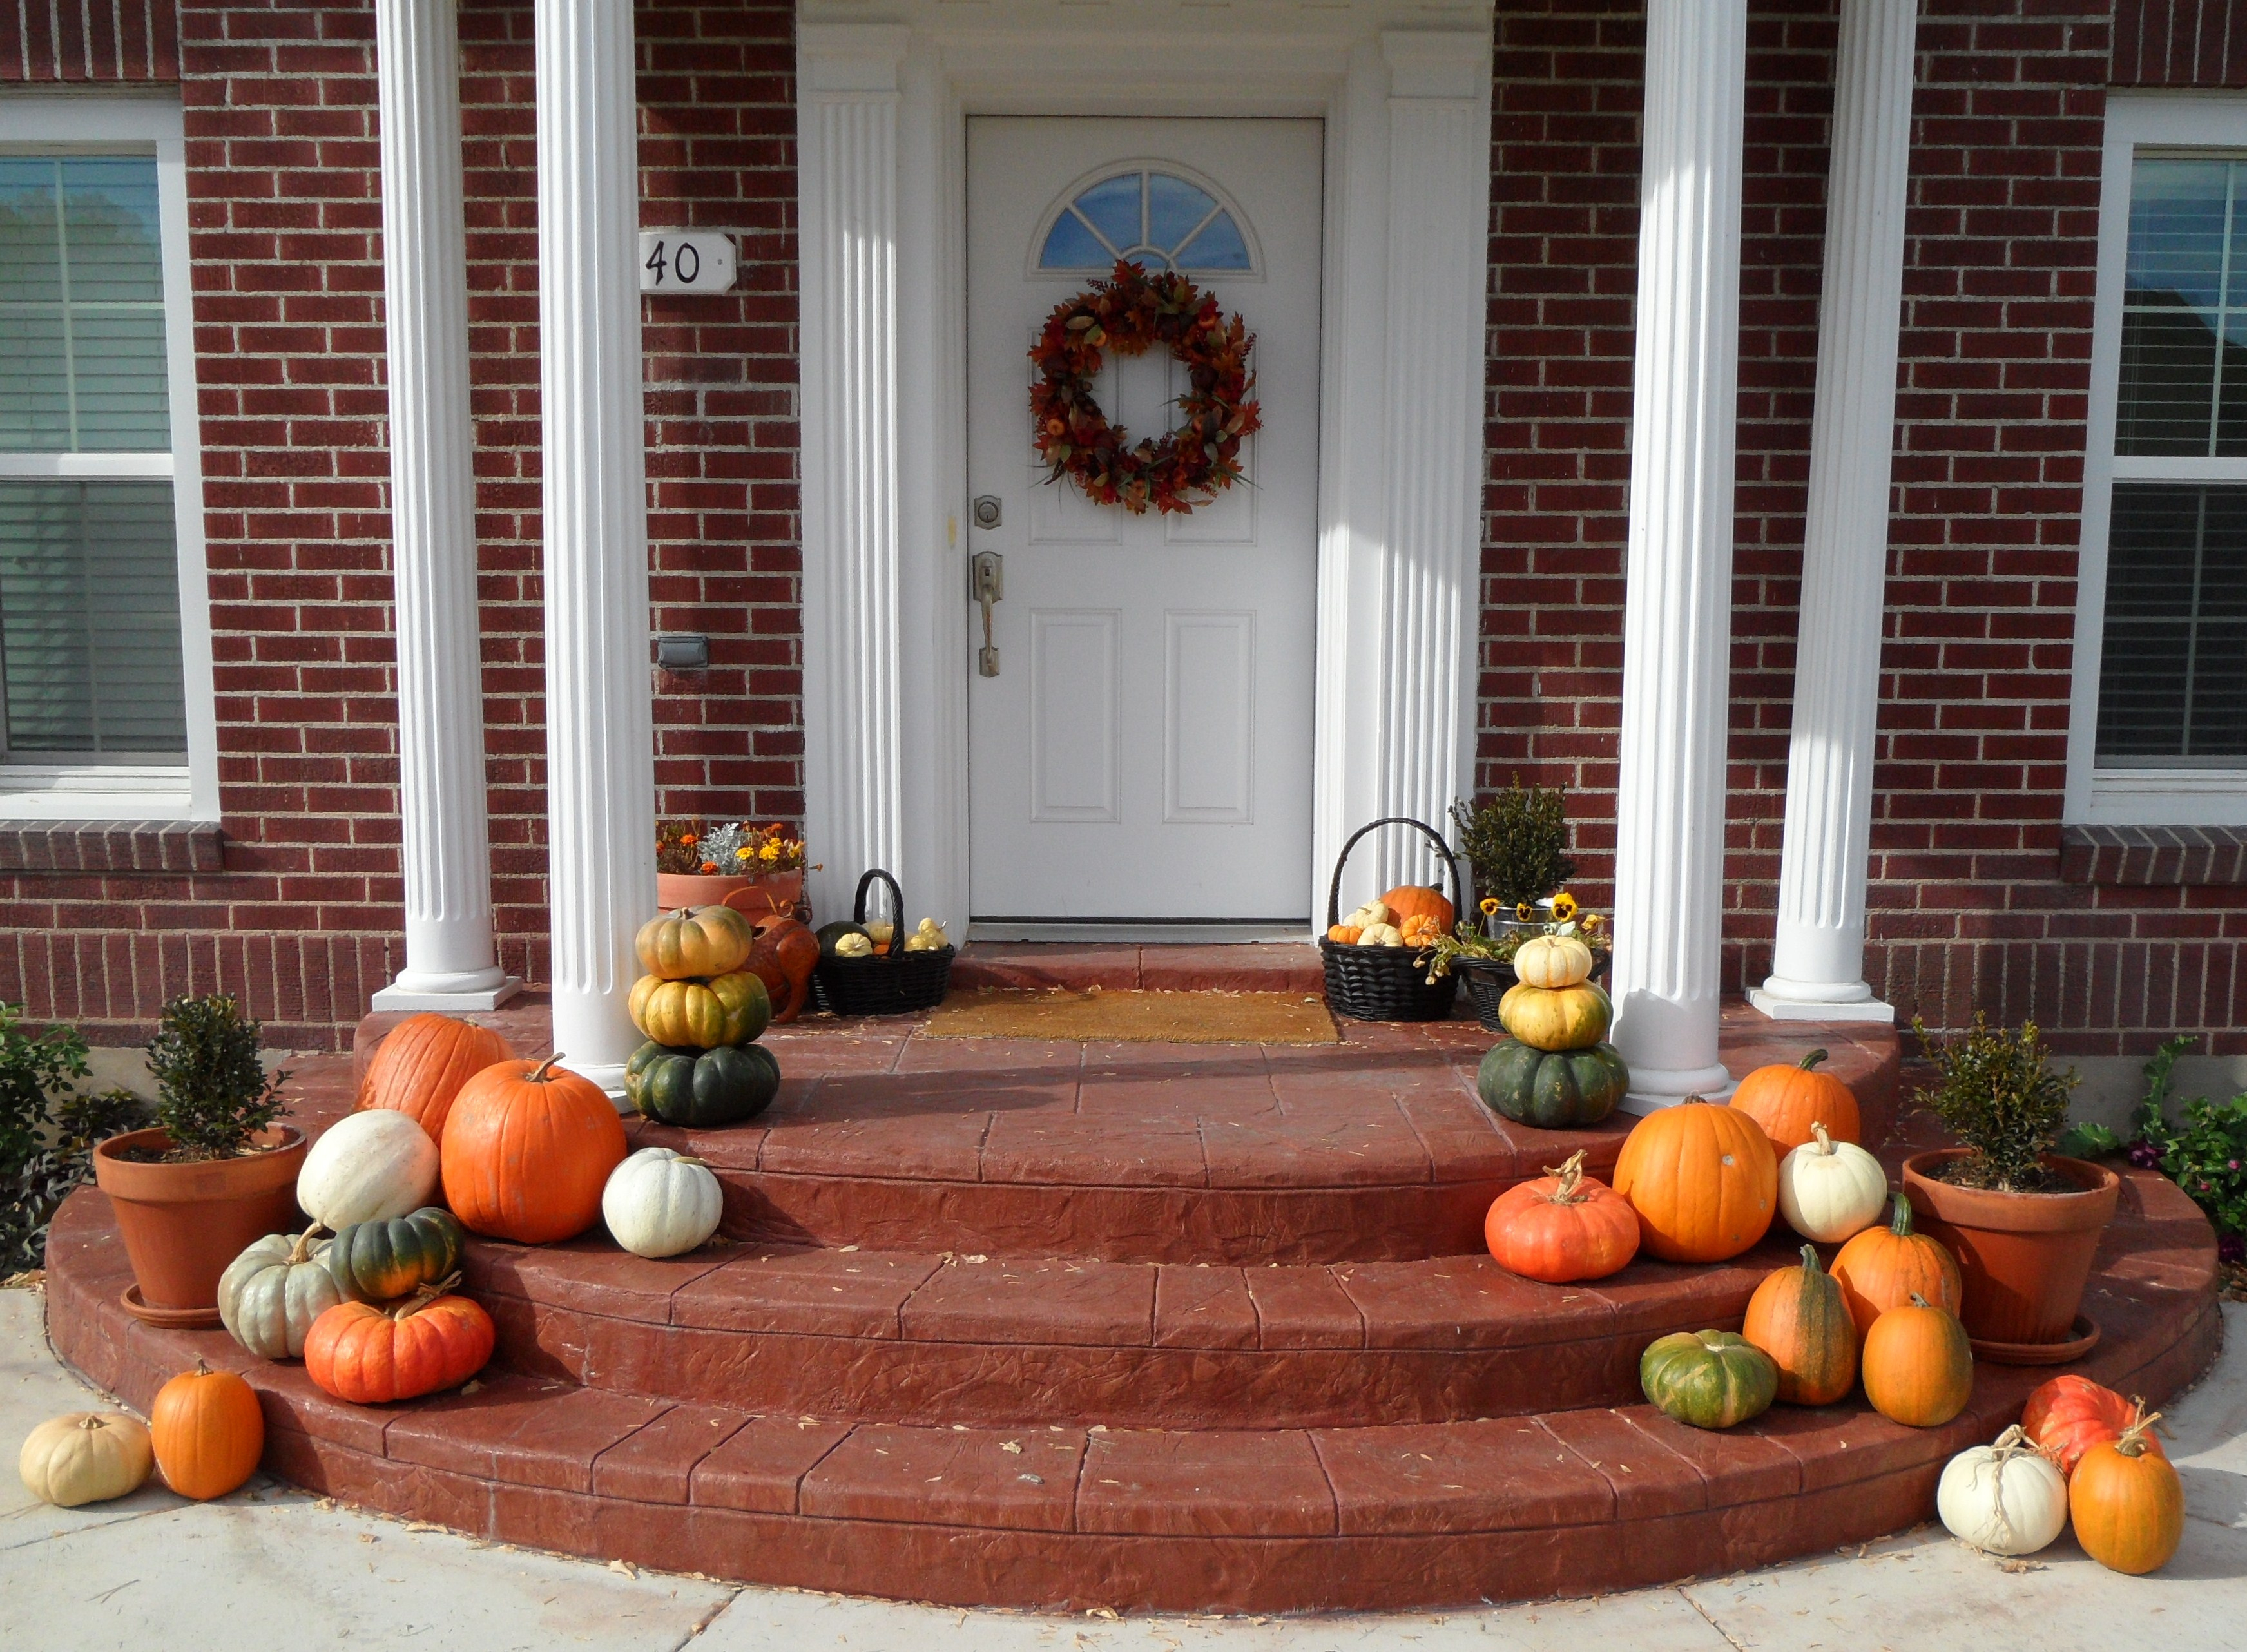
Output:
x=1484 y=957
x=755 y=870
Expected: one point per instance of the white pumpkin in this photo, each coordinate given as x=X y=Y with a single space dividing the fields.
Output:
x=659 y=1203
x=1552 y=961
x=2004 y=1499
x=269 y=1295
x=373 y=1166
x=1370 y=914
x=87 y=1457
x=1380 y=935
x=1830 y=1189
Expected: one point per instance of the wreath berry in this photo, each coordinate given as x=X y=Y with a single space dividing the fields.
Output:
x=1129 y=313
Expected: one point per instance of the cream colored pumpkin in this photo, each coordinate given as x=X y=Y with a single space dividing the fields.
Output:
x=659 y=1203
x=2004 y=1499
x=269 y=1295
x=854 y=945
x=1552 y=961
x=87 y=1457
x=1370 y=914
x=1380 y=935
x=374 y=1166
x=1830 y=1190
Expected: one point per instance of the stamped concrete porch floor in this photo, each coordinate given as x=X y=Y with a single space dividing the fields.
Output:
x=1131 y=1327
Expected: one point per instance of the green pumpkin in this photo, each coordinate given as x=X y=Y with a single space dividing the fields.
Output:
x=379 y=1261
x=700 y=1090
x=1551 y=1089
x=830 y=933
x=1709 y=1379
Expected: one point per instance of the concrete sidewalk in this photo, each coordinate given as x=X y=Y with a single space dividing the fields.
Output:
x=270 y=1567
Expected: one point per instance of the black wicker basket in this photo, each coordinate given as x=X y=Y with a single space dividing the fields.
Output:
x=1385 y=983
x=1488 y=980
x=895 y=983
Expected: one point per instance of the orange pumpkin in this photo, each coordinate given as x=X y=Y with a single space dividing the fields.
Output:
x=2127 y=1503
x=1421 y=930
x=1787 y=1100
x=1564 y=1225
x=1703 y=1179
x=2071 y=1414
x=371 y=1353
x=1345 y=934
x=1418 y=900
x=527 y=1150
x=693 y=941
x=1882 y=1268
x=208 y=1430
x=1918 y=1366
x=421 y=1064
x=1797 y=1316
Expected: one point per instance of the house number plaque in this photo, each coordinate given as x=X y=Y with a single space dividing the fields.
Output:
x=685 y=261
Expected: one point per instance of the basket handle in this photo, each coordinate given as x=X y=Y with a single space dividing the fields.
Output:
x=1333 y=888
x=897 y=898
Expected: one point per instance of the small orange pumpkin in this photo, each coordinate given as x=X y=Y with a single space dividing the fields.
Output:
x=1881 y=1267
x=1918 y=1366
x=1797 y=1316
x=421 y=1063
x=1418 y=900
x=1564 y=1226
x=527 y=1148
x=2069 y=1415
x=1421 y=930
x=1345 y=934
x=208 y=1430
x=2127 y=1503
x=1703 y=1179
x=1787 y=1100
x=373 y=1353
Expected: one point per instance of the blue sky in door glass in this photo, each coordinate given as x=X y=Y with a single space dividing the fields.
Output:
x=1156 y=220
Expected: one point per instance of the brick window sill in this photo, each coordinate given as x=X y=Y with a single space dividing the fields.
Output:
x=2148 y=856
x=176 y=848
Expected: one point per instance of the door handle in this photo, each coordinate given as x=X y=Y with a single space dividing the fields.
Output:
x=986 y=584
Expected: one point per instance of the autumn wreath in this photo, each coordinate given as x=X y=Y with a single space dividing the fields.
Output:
x=1129 y=313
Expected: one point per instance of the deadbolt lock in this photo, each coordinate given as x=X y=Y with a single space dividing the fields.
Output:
x=987 y=511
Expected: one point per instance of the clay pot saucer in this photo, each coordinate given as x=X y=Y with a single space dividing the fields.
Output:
x=2083 y=1337
x=168 y=1319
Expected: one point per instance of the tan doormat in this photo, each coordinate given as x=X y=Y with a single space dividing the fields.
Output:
x=1136 y=1017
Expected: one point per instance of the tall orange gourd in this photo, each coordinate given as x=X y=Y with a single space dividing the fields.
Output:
x=2126 y=1502
x=527 y=1148
x=1703 y=1179
x=1787 y=1100
x=1882 y=1267
x=1797 y=1316
x=208 y=1430
x=421 y=1064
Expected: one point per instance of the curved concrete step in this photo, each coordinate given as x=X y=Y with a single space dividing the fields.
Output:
x=921 y=1337
x=1072 y=1513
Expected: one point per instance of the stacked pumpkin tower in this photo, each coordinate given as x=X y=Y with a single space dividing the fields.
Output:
x=703 y=1012
x=1556 y=1071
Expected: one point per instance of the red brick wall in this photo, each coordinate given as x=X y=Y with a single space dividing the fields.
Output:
x=285 y=223
x=2180 y=43
x=89 y=40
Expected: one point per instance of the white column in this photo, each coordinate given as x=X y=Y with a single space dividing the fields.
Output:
x=847 y=245
x=1669 y=803
x=1818 y=968
x=444 y=843
x=600 y=757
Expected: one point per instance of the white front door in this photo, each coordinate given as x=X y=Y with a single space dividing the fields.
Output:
x=1143 y=753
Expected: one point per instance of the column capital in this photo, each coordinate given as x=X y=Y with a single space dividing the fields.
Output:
x=1437 y=63
x=852 y=57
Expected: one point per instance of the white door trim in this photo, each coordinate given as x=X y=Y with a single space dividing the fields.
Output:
x=881 y=158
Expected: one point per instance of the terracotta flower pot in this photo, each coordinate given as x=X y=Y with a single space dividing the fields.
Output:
x=2025 y=1257
x=773 y=892
x=184 y=1223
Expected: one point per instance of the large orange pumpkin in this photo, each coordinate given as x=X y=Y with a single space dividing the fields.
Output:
x=1703 y=1179
x=527 y=1150
x=1787 y=1100
x=371 y=1353
x=1418 y=900
x=2071 y=1414
x=208 y=1430
x=421 y=1064
x=1564 y=1225
x=1918 y=1366
x=1797 y=1316
x=2127 y=1503
x=1882 y=1267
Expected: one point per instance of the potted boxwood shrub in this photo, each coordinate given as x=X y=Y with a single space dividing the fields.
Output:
x=214 y=1174
x=2023 y=1221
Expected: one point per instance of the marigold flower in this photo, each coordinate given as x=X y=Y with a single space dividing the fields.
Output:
x=709 y=866
x=744 y=852
x=688 y=840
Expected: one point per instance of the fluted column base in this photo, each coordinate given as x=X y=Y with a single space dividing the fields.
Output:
x=1653 y=1088
x=1787 y=1000
x=451 y=993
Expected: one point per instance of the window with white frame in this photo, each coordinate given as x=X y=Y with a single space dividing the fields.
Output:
x=104 y=669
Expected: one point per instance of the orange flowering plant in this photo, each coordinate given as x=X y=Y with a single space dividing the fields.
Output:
x=735 y=847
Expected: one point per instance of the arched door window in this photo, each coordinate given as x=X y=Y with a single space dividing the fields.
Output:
x=1155 y=218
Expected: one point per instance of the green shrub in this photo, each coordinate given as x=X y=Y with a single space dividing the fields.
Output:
x=1517 y=843
x=48 y=1128
x=2203 y=1154
x=213 y=1092
x=1996 y=1092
